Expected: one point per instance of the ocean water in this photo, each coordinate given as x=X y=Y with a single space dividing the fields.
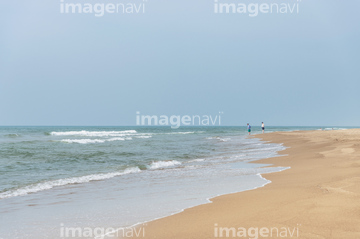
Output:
x=54 y=177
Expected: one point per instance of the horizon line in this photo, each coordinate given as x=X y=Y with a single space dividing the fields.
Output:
x=180 y=126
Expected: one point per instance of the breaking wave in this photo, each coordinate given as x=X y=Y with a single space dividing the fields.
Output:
x=163 y=164
x=85 y=133
x=62 y=182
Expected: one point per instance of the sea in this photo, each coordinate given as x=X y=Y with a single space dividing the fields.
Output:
x=52 y=178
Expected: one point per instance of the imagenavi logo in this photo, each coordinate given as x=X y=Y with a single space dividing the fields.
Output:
x=254 y=9
x=175 y=121
x=99 y=9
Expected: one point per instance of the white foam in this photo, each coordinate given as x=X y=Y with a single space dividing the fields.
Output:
x=163 y=164
x=192 y=132
x=93 y=141
x=94 y=133
x=219 y=138
x=197 y=160
x=224 y=139
x=143 y=137
x=119 y=139
x=334 y=129
x=62 y=182
x=83 y=141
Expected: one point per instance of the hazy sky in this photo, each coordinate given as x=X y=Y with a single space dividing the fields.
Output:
x=179 y=58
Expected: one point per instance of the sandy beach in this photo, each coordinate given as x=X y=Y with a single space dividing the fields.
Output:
x=318 y=197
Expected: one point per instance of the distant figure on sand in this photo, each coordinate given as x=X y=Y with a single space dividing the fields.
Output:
x=263 y=126
x=249 y=128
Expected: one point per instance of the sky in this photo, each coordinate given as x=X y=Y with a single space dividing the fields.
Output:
x=180 y=58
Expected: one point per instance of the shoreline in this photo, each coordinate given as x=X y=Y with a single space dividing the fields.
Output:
x=288 y=200
x=209 y=199
x=182 y=187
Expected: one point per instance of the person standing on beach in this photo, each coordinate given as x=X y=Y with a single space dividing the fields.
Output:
x=249 y=128
x=262 y=127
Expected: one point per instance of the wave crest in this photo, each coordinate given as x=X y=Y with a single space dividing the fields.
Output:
x=62 y=182
x=93 y=141
x=163 y=164
x=94 y=133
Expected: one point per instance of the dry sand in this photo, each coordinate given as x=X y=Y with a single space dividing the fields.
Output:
x=319 y=196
